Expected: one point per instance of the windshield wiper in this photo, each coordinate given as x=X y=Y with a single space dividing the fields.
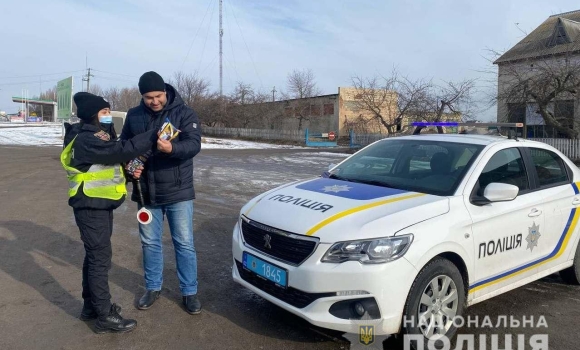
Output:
x=337 y=177
x=367 y=182
x=375 y=183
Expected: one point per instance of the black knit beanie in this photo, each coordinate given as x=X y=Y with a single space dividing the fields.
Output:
x=151 y=81
x=88 y=105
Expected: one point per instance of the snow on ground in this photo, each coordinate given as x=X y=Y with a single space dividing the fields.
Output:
x=51 y=135
x=213 y=143
x=27 y=125
x=31 y=135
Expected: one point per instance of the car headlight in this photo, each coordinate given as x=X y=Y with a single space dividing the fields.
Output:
x=372 y=251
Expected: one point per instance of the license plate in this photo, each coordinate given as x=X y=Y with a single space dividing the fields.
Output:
x=266 y=270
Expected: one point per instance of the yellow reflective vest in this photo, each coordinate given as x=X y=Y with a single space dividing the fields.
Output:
x=100 y=181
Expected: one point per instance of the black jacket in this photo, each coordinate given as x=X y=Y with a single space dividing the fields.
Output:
x=91 y=147
x=167 y=178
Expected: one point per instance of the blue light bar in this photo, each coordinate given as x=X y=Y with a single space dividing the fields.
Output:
x=435 y=124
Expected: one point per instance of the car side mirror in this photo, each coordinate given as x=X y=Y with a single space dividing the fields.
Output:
x=500 y=192
x=497 y=192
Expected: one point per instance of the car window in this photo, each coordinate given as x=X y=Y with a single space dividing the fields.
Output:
x=549 y=166
x=506 y=166
x=432 y=167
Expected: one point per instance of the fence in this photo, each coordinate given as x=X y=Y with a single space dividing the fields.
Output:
x=362 y=140
x=320 y=139
x=258 y=134
x=570 y=147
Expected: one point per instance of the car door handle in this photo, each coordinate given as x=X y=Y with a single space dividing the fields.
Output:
x=576 y=201
x=534 y=213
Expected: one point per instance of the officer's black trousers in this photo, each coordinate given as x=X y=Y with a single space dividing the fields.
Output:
x=96 y=227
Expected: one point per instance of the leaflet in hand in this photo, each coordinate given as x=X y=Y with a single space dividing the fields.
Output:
x=166 y=132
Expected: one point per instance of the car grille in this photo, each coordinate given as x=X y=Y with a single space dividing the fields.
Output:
x=285 y=246
x=292 y=296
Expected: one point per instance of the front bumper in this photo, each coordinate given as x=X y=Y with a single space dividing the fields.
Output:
x=313 y=286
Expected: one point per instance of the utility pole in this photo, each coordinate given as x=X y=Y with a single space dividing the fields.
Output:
x=87 y=78
x=274 y=94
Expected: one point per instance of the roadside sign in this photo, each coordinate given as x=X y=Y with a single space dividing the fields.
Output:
x=64 y=90
x=331 y=136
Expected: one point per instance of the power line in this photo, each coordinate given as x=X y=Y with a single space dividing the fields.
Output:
x=228 y=76
x=28 y=82
x=234 y=69
x=247 y=48
x=211 y=63
x=40 y=75
x=231 y=44
x=197 y=32
x=114 y=79
x=125 y=75
x=205 y=42
x=226 y=21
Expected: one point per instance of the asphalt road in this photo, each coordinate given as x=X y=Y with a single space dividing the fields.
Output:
x=41 y=257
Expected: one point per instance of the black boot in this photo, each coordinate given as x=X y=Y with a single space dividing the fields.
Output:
x=113 y=322
x=192 y=304
x=88 y=313
x=148 y=299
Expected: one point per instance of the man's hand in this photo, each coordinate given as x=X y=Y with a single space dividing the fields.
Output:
x=136 y=173
x=164 y=146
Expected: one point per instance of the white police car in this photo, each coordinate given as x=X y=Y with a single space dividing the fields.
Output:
x=410 y=230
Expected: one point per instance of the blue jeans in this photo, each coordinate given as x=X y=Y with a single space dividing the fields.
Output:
x=180 y=218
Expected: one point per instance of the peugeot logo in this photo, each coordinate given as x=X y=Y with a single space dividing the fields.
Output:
x=267 y=240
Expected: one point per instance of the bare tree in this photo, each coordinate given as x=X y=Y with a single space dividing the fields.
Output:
x=544 y=82
x=208 y=109
x=262 y=110
x=122 y=99
x=243 y=93
x=388 y=100
x=455 y=98
x=96 y=90
x=302 y=84
x=191 y=87
x=240 y=109
x=302 y=88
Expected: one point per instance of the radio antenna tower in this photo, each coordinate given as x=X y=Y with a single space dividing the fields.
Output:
x=221 y=51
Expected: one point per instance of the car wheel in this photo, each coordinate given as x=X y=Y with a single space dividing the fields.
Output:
x=436 y=298
x=571 y=275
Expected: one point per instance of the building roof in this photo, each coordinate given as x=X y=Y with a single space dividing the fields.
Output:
x=559 y=34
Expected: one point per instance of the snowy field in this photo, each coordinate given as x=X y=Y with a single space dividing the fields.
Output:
x=24 y=135
x=213 y=143
x=51 y=135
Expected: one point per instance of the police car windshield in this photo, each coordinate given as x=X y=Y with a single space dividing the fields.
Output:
x=431 y=167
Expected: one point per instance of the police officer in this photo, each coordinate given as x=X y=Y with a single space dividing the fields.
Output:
x=92 y=158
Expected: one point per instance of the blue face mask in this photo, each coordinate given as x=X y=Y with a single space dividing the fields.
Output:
x=106 y=119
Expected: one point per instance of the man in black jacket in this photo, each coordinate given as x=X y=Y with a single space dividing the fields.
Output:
x=167 y=186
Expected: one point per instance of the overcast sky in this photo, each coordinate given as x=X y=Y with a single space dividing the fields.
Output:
x=45 y=41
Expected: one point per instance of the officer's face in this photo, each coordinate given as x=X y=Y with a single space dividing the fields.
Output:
x=155 y=100
x=103 y=112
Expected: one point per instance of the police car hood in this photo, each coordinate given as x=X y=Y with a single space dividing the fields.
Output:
x=335 y=210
